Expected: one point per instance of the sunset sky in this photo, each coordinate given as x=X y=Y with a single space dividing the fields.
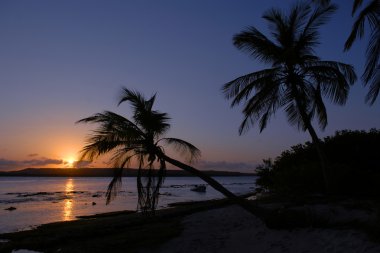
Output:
x=61 y=61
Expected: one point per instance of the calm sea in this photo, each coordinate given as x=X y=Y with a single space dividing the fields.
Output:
x=40 y=200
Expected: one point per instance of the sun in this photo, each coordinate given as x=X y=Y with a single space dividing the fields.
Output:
x=70 y=162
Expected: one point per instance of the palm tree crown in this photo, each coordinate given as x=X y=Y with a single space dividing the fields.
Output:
x=138 y=139
x=297 y=79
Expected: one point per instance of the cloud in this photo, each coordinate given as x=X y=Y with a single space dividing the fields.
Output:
x=81 y=164
x=226 y=166
x=42 y=162
x=33 y=155
x=6 y=164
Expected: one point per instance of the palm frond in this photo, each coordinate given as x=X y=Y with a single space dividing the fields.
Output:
x=135 y=98
x=369 y=13
x=155 y=122
x=114 y=131
x=123 y=156
x=320 y=16
x=374 y=87
x=97 y=147
x=335 y=78
x=309 y=37
x=243 y=85
x=184 y=148
x=372 y=56
x=321 y=2
x=356 y=5
x=319 y=108
x=262 y=105
x=256 y=44
x=110 y=121
x=298 y=17
x=151 y=121
x=278 y=24
x=114 y=185
x=294 y=116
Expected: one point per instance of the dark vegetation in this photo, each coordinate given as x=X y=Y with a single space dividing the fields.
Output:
x=296 y=80
x=354 y=166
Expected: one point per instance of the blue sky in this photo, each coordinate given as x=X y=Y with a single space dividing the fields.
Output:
x=65 y=60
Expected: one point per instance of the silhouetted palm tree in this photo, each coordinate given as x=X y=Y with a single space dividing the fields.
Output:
x=371 y=14
x=322 y=2
x=140 y=140
x=297 y=79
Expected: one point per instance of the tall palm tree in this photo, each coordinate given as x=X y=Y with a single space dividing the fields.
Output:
x=140 y=139
x=296 y=80
x=371 y=14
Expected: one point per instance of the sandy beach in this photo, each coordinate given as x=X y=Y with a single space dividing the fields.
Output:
x=232 y=229
x=210 y=226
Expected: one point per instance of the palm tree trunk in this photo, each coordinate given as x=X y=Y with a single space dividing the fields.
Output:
x=317 y=143
x=321 y=154
x=217 y=186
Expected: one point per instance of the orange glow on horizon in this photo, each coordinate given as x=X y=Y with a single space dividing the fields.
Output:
x=70 y=162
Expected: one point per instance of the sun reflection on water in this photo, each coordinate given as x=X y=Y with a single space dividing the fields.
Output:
x=68 y=204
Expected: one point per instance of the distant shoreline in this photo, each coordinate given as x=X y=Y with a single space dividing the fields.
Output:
x=105 y=172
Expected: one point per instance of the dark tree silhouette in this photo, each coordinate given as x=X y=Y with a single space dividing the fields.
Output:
x=297 y=79
x=140 y=139
x=369 y=14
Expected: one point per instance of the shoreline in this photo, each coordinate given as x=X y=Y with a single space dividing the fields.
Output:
x=214 y=225
x=132 y=225
x=109 y=172
x=43 y=200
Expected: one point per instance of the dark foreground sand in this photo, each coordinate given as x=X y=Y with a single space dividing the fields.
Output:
x=213 y=226
x=232 y=229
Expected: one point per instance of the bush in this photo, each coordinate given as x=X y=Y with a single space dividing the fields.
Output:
x=353 y=166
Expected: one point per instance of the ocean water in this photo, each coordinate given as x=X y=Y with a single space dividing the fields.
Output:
x=40 y=200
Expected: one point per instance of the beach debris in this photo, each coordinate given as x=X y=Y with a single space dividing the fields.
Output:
x=198 y=188
x=177 y=186
x=93 y=203
x=97 y=195
x=32 y=194
x=259 y=190
x=11 y=208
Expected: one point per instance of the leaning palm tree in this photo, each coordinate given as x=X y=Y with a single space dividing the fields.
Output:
x=140 y=139
x=296 y=80
x=371 y=14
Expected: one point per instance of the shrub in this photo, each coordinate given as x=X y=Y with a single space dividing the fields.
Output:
x=353 y=166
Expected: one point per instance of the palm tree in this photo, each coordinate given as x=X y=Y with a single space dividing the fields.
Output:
x=371 y=14
x=296 y=80
x=140 y=140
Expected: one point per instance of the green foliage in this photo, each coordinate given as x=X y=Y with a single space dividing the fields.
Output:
x=354 y=166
